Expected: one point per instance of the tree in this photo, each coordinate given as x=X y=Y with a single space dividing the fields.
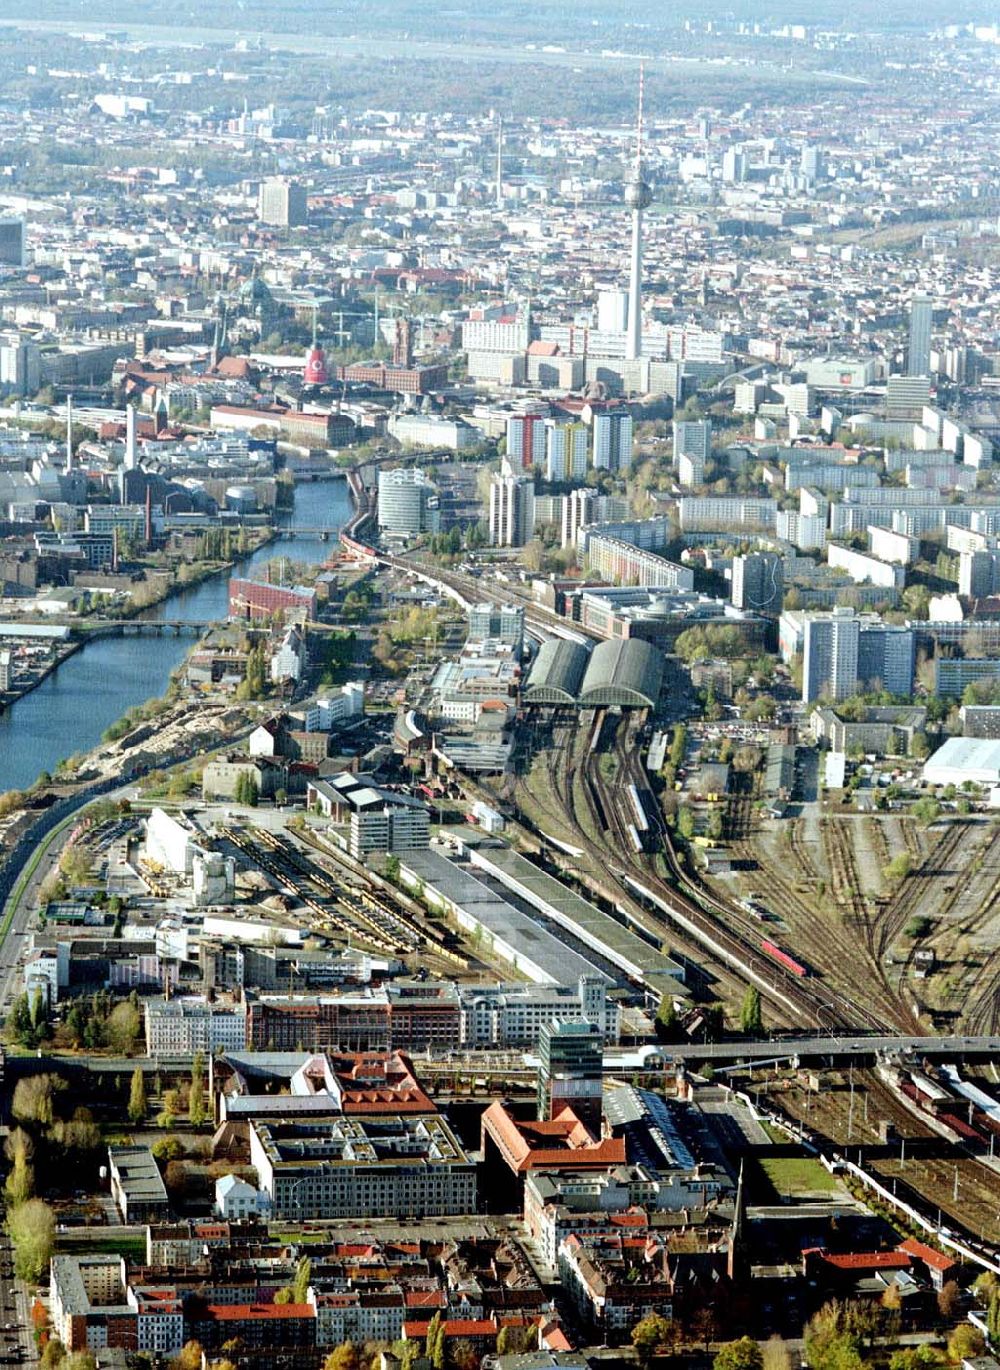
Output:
x=167 y=1149
x=122 y=1027
x=53 y=1354
x=464 y=1355
x=300 y=1285
x=430 y=1341
x=743 y=1354
x=650 y=1333
x=137 y=1097
x=196 y=1092
x=32 y=1228
x=20 y=1183
x=343 y=1357
x=776 y=1355
x=948 y=1300
x=666 y=1019
x=80 y=1360
x=751 y=1019
x=685 y=823
x=965 y=1342
x=34 y=1096
x=189 y=1357
x=993 y=1316
x=898 y=868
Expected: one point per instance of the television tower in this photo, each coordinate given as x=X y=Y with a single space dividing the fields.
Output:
x=499 y=176
x=638 y=197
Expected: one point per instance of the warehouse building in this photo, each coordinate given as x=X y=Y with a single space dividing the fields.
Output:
x=963 y=759
x=638 y=959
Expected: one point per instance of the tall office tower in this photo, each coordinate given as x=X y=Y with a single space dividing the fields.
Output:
x=612 y=310
x=13 y=245
x=571 y=1072
x=692 y=438
x=6 y=670
x=566 y=446
x=638 y=198
x=578 y=507
x=812 y=163
x=69 y=433
x=830 y=655
x=407 y=503
x=503 y=624
x=734 y=165
x=526 y=439
x=282 y=203
x=759 y=582
x=613 y=440
x=512 y=511
x=918 y=356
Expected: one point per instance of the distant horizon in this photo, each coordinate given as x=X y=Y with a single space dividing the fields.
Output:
x=561 y=21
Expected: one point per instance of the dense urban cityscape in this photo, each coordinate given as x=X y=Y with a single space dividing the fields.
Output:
x=499 y=687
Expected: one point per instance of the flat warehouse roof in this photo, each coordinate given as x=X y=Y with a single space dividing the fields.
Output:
x=596 y=929
x=559 y=962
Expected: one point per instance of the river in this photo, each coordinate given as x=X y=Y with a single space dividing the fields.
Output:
x=70 y=710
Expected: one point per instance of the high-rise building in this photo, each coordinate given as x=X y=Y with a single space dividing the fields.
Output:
x=612 y=310
x=759 y=582
x=20 y=364
x=638 y=198
x=918 y=356
x=571 y=1072
x=844 y=653
x=502 y=624
x=830 y=655
x=691 y=470
x=613 y=440
x=526 y=439
x=512 y=511
x=578 y=508
x=978 y=573
x=566 y=447
x=886 y=655
x=407 y=502
x=692 y=438
x=282 y=203
x=6 y=670
x=13 y=242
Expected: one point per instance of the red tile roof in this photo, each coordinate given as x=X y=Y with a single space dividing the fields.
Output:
x=259 y=1312
x=935 y=1260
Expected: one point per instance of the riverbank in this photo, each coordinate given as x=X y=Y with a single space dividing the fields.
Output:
x=120 y=670
x=8 y=698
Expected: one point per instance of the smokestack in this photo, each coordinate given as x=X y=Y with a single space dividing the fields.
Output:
x=149 y=513
x=69 y=433
x=130 y=458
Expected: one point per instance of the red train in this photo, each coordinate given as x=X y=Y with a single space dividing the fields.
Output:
x=789 y=962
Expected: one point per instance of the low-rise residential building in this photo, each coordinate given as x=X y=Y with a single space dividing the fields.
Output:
x=136 y=1184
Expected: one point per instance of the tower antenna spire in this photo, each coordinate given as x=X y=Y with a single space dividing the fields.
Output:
x=638 y=121
x=637 y=198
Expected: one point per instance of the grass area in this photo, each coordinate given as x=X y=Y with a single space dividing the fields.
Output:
x=132 y=1245
x=795 y=1175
